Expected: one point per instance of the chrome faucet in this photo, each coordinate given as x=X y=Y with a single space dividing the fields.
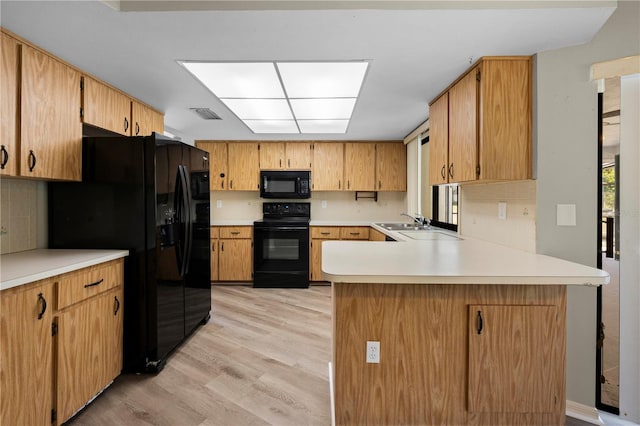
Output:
x=419 y=219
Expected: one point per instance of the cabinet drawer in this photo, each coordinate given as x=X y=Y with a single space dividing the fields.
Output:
x=236 y=232
x=354 y=233
x=215 y=232
x=325 y=232
x=84 y=283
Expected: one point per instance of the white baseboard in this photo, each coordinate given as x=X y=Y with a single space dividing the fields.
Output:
x=584 y=413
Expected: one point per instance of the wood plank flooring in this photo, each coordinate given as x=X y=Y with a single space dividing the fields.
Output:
x=260 y=360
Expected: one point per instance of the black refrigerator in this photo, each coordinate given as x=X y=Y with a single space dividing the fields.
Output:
x=148 y=195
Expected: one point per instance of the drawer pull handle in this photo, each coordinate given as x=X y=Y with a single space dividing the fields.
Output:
x=117 y=305
x=235 y=232
x=5 y=157
x=43 y=301
x=325 y=233
x=354 y=233
x=94 y=284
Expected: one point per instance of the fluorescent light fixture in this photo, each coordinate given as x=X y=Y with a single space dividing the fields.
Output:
x=323 y=126
x=259 y=109
x=322 y=109
x=285 y=97
x=272 y=126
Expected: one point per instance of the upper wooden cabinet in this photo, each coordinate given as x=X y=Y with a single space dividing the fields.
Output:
x=328 y=166
x=145 y=120
x=9 y=104
x=359 y=166
x=50 y=127
x=439 y=140
x=285 y=155
x=243 y=166
x=218 y=170
x=105 y=107
x=298 y=155
x=391 y=166
x=488 y=123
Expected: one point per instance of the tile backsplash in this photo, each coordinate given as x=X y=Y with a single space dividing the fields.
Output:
x=22 y=215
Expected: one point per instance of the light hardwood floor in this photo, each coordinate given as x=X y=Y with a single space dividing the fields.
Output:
x=261 y=359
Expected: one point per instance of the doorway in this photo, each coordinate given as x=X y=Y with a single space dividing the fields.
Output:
x=608 y=355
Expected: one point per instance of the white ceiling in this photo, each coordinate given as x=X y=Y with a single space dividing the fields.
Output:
x=416 y=48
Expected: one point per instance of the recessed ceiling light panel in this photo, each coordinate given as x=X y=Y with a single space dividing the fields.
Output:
x=238 y=80
x=323 y=126
x=272 y=126
x=322 y=79
x=259 y=109
x=322 y=109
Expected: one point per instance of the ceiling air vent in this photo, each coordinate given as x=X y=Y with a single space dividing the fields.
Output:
x=206 y=113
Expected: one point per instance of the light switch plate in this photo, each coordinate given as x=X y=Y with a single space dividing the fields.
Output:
x=566 y=214
x=218 y=204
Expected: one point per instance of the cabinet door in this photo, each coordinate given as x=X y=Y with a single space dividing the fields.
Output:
x=244 y=166
x=298 y=155
x=145 y=120
x=215 y=250
x=106 y=108
x=391 y=166
x=26 y=355
x=359 y=166
x=439 y=140
x=506 y=344
x=505 y=134
x=218 y=171
x=328 y=166
x=9 y=104
x=272 y=156
x=463 y=128
x=89 y=350
x=50 y=129
x=236 y=260
x=315 y=264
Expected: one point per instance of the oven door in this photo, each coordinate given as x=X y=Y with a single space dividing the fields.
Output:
x=281 y=255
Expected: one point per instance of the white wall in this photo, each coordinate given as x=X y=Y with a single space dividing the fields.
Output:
x=413 y=177
x=567 y=172
x=630 y=247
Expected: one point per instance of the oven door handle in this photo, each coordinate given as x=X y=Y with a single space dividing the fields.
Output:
x=283 y=228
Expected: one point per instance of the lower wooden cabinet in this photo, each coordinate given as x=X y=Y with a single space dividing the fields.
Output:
x=26 y=354
x=232 y=252
x=319 y=234
x=89 y=350
x=57 y=353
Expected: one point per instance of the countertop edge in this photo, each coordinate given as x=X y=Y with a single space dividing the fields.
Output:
x=77 y=259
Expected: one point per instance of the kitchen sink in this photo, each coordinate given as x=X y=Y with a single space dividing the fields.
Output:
x=400 y=226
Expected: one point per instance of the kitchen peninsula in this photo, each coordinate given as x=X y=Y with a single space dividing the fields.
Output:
x=469 y=332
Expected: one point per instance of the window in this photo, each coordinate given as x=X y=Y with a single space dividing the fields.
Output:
x=442 y=203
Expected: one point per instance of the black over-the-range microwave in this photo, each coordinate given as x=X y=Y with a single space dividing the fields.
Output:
x=285 y=184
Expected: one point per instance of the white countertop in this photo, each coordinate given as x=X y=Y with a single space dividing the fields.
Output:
x=448 y=261
x=33 y=265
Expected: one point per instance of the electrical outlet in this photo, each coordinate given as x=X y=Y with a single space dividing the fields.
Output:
x=324 y=204
x=218 y=204
x=373 y=352
x=502 y=211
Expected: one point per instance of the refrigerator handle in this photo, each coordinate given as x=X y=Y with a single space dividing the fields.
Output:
x=181 y=209
x=188 y=219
